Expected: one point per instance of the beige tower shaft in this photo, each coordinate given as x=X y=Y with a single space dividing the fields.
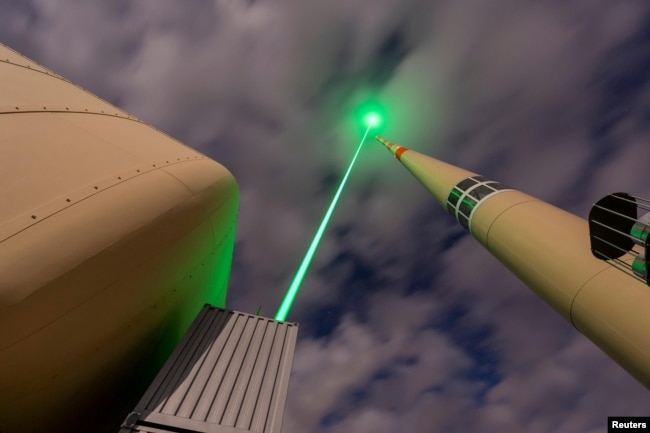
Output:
x=549 y=250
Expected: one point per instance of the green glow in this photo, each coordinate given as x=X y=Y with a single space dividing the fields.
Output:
x=290 y=296
x=370 y=113
x=372 y=119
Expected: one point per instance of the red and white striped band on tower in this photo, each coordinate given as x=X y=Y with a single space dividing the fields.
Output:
x=395 y=149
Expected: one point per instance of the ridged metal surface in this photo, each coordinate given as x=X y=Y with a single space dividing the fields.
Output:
x=229 y=373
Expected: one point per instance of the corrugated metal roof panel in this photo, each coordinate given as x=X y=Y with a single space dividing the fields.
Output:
x=229 y=374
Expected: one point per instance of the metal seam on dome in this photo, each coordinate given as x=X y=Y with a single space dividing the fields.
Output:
x=64 y=201
x=42 y=69
x=179 y=281
x=49 y=73
x=55 y=75
x=67 y=110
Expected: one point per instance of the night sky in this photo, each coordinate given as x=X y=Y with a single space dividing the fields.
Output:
x=407 y=323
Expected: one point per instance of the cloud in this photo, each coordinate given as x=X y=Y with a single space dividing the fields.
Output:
x=367 y=373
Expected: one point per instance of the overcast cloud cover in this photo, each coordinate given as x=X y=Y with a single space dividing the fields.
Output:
x=407 y=324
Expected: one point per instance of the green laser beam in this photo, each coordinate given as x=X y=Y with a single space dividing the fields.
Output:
x=290 y=296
